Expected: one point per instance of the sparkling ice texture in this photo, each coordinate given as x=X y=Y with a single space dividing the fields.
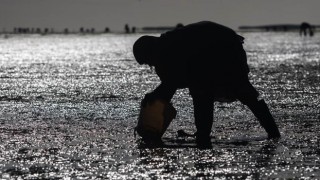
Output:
x=69 y=104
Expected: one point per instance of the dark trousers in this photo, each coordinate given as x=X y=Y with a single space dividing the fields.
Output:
x=203 y=104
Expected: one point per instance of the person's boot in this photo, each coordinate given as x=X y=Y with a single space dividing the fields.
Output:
x=203 y=138
x=261 y=111
x=203 y=141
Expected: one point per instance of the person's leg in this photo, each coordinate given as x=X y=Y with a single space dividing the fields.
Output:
x=203 y=113
x=260 y=109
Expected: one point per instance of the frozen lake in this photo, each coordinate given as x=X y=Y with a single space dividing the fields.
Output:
x=69 y=104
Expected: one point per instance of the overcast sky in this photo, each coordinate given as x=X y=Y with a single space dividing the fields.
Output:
x=99 y=14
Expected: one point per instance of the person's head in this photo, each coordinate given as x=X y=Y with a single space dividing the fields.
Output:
x=143 y=49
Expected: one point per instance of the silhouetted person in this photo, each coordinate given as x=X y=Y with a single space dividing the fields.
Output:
x=81 y=30
x=209 y=60
x=106 y=30
x=133 y=29
x=92 y=30
x=306 y=28
x=127 y=28
x=46 y=31
x=66 y=31
x=38 y=31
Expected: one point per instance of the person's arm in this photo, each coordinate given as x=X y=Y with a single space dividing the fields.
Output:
x=164 y=91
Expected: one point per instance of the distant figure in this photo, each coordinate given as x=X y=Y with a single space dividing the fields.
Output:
x=133 y=29
x=305 y=29
x=81 y=30
x=46 y=31
x=66 y=31
x=127 y=28
x=38 y=31
x=209 y=60
x=106 y=30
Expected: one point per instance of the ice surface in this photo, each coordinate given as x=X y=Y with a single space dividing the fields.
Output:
x=69 y=104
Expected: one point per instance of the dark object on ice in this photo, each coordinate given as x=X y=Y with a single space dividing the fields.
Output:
x=202 y=142
x=209 y=60
x=182 y=133
x=154 y=118
x=306 y=29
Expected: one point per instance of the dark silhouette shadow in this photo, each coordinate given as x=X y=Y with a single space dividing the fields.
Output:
x=81 y=30
x=209 y=60
x=46 y=31
x=92 y=30
x=306 y=29
x=66 y=31
x=126 y=28
x=133 y=29
x=38 y=31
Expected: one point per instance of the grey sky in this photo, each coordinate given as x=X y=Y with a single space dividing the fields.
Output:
x=99 y=14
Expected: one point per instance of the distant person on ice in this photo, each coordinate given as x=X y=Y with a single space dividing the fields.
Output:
x=209 y=59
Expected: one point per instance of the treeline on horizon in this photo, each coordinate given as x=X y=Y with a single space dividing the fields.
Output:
x=276 y=27
x=127 y=29
x=83 y=30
